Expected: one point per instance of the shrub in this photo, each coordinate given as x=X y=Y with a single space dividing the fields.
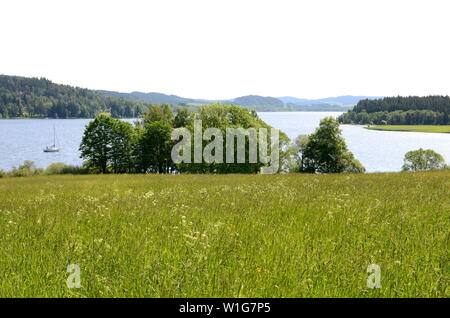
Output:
x=27 y=169
x=55 y=168
x=20 y=172
x=62 y=168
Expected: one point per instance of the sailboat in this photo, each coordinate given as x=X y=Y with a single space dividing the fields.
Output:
x=52 y=148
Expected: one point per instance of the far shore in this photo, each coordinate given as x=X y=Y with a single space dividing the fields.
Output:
x=259 y=111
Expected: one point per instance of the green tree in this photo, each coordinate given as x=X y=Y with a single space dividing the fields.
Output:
x=326 y=151
x=158 y=113
x=296 y=150
x=122 y=150
x=97 y=142
x=107 y=145
x=154 y=148
x=222 y=116
x=183 y=118
x=423 y=160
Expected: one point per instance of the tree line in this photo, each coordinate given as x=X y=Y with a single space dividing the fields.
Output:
x=398 y=117
x=113 y=146
x=412 y=110
x=39 y=97
x=110 y=145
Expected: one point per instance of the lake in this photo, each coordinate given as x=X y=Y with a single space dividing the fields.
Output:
x=378 y=151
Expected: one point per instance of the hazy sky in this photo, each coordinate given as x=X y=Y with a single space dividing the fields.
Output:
x=223 y=49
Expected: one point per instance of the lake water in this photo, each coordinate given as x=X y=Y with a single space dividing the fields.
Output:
x=378 y=151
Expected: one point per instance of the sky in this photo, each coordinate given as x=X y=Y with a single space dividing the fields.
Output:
x=224 y=49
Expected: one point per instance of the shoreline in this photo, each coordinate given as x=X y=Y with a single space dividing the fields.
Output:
x=259 y=111
x=445 y=129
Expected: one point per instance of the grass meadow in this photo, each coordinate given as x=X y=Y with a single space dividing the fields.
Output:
x=417 y=128
x=226 y=235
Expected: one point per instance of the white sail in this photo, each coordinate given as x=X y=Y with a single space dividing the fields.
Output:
x=52 y=148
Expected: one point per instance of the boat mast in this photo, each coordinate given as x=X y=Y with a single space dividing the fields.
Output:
x=54 y=136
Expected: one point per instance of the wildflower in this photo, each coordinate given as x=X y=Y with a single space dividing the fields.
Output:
x=203 y=192
x=148 y=195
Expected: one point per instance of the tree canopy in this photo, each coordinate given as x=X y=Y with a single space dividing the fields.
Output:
x=107 y=145
x=423 y=160
x=110 y=145
x=154 y=148
x=325 y=151
x=223 y=117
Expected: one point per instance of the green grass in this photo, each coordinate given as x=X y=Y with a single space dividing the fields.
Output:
x=416 y=128
x=226 y=235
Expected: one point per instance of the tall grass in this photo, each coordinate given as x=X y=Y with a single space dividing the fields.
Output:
x=225 y=235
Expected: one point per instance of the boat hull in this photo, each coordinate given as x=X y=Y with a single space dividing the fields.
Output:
x=51 y=150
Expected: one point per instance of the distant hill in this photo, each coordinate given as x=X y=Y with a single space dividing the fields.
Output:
x=39 y=97
x=155 y=98
x=257 y=102
x=318 y=108
x=347 y=100
x=289 y=107
x=159 y=98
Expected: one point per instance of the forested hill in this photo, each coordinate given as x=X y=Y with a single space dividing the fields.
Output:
x=252 y=102
x=39 y=97
x=155 y=98
x=255 y=100
x=159 y=98
x=412 y=110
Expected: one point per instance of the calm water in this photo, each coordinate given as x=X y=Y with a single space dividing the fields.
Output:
x=378 y=151
x=24 y=139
